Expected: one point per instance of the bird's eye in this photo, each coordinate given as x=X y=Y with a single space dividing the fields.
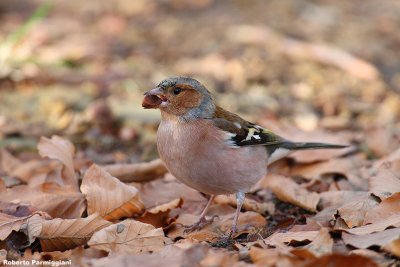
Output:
x=177 y=90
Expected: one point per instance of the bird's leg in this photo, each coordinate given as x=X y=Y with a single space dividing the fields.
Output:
x=240 y=196
x=202 y=220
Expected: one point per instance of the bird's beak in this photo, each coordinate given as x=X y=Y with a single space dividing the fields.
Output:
x=154 y=98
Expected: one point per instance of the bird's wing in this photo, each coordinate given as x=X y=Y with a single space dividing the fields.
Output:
x=242 y=132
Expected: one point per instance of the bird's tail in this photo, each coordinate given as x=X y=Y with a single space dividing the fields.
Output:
x=303 y=146
x=278 y=151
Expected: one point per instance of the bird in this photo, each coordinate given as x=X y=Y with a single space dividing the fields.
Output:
x=211 y=149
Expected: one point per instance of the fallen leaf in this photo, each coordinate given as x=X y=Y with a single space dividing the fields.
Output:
x=9 y=223
x=388 y=207
x=385 y=182
x=108 y=196
x=33 y=168
x=33 y=227
x=321 y=245
x=393 y=247
x=373 y=239
x=393 y=159
x=288 y=191
x=137 y=172
x=17 y=210
x=264 y=257
x=129 y=236
x=248 y=222
x=393 y=220
x=170 y=255
x=354 y=213
x=336 y=199
x=3 y=186
x=288 y=237
x=380 y=259
x=219 y=258
x=62 y=150
x=248 y=205
x=64 y=234
x=8 y=162
x=349 y=167
x=171 y=189
x=58 y=201
x=337 y=260
x=159 y=215
x=272 y=257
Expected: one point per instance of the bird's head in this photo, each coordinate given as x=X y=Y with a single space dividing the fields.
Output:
x=182 y=97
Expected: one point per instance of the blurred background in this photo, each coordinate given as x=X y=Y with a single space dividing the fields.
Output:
x=79 y=69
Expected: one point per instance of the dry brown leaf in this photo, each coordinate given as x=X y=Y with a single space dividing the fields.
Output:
x=393 y=247
x=393 y=159
x=288 y=237
x=379 y=258
x=322 y=244
x=129 y=236
x=354 y=213
x=168 y=190
x=219 y=258
x=374 y=239
x=264 y=257
x=248 y=205
x=338 y=260
x=8 y=162
x=9 y=223
x=170 y=255
x=62 y=150
x=58 y=201
x=137 y=172
x=273 y=257
x=78 y=256
x=33 y=227
x=33 y=168
x=348 y=167
x=336 y=199
x=385 y=182
x=393 y=220
x=288 y=191
x=248 y=222
x=388 y=207
x=3 y=186
x=64 y=234
x=108 y=196
x=18 y=210
x=159 y=215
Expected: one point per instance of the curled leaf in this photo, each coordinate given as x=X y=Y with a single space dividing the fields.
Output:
x=108 y=196
x=62 y=150
x=159 y=215
x=287 y=190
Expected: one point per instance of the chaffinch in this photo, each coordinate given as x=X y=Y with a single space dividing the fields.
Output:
x=210 y=149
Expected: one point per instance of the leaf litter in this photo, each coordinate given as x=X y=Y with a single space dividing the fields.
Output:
x=79 y=174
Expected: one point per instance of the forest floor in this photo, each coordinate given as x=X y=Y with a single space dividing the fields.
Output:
x=80 y=177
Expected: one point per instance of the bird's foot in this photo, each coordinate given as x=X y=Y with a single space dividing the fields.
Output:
x=199 y=224
x=232 y=232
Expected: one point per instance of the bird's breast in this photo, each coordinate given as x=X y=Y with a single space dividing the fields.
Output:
x=197 y=154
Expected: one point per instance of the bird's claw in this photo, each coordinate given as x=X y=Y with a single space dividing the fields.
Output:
x=203 y=222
